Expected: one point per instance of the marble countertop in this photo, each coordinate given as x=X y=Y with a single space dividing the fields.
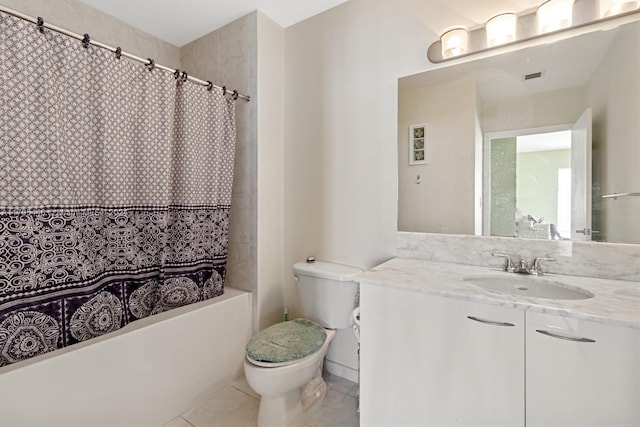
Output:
x=615 y=301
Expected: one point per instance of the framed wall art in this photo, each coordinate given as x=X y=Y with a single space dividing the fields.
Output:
x=418 y=144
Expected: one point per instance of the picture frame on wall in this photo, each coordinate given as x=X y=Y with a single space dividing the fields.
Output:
x=418 y=144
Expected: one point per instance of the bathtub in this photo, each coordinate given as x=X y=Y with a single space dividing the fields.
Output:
x=144 y=374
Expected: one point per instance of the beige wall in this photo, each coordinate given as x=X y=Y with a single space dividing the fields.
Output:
x=270 y=104
x=558 y=107
x=443 y=202
x=616 y=148
x=341 y=182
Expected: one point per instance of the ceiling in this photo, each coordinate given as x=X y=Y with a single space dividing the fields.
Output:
x=180 y=22
x=549 y=141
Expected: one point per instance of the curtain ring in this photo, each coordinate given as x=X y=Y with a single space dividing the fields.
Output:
x=118 y=52
x=41 y=24
x=209 y=86
x=176 y=74
x=224 y=91
x=86 y=41
x=235 y=95
x=185 y=76
x=151 y=65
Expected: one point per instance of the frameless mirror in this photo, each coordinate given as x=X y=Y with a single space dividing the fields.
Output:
x=540 y=143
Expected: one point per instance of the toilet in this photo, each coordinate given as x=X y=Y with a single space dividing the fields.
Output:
x=284 y=362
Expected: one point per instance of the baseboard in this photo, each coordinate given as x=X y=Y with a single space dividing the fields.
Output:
x=341 y=370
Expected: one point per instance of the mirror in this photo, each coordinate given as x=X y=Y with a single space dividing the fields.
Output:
x=479 y=167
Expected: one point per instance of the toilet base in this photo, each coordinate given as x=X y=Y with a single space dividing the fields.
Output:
x=292 y=409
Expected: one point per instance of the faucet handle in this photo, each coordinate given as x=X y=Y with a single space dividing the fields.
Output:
x=508 y=265
x=537 y=268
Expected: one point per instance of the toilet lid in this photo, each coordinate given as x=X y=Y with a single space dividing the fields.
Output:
x=286 y=342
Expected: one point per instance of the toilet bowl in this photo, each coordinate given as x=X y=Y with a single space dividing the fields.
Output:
x=286 y=367
x=290 y=391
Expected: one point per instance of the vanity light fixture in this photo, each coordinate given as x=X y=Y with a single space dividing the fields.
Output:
x=554 y=15
x=616 y=7
x=455 y=42
x=551 y=17
x=501 y=29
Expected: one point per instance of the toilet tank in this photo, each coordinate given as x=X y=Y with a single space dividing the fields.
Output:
x=327 y=292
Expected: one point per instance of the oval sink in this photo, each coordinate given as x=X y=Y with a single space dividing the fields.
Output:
x=532 y=286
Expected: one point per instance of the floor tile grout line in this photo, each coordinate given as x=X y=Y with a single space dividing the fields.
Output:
x=242 y=391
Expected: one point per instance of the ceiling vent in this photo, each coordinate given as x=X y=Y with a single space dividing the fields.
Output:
x=533 y=75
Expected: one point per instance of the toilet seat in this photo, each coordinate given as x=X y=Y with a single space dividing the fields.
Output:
x=286 y=343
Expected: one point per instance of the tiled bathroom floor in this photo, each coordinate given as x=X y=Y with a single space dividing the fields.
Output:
x=237 y=406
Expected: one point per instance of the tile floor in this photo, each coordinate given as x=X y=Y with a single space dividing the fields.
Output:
x=237 y=406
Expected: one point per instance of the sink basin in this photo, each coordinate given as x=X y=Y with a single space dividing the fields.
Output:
x=531 y=286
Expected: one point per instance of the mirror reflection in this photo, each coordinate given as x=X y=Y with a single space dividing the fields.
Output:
x=528 y=144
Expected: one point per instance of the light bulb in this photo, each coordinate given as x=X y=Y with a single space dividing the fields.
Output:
x=554 y=15
x=616 y=7
x=501 y=29
x=455 y=42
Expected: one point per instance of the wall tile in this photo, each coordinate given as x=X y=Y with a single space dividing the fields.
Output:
x=81 y=18
x=227 y=57
x=202 y=57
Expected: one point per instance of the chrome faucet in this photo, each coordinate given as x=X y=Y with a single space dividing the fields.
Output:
x=536 y=268
x=522 y=266
x=508 y=265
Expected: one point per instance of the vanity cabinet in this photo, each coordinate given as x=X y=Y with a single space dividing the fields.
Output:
x=581 y=373
x=434 y=361
x=428 y=360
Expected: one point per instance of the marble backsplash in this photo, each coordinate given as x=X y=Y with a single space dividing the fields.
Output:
x=587 y=259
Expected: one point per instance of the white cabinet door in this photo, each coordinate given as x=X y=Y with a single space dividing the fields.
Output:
x=425 y=362
x=581 y=373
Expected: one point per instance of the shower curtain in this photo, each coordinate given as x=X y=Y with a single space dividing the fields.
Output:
x=115 y=190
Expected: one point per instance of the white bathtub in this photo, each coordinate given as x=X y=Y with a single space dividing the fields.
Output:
x=145 y=374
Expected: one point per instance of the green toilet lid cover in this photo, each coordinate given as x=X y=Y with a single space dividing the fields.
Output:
x=286 y=341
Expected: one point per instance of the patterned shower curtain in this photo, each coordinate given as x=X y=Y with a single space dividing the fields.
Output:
x=115 y=190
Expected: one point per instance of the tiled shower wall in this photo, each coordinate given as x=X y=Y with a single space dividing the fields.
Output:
x=228 y=56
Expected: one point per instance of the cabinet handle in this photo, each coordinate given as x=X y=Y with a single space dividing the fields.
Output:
x=489 y=322
x=563 y=337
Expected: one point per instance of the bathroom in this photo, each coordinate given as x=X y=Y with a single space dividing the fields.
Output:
x=317 y=159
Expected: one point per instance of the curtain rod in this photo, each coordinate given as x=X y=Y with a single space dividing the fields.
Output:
x=118 y=51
